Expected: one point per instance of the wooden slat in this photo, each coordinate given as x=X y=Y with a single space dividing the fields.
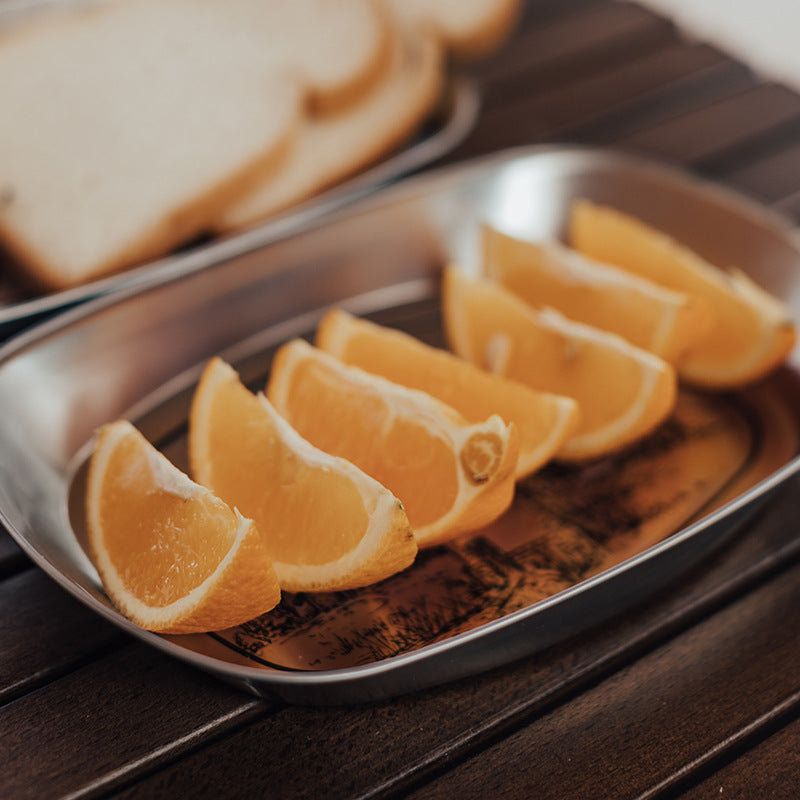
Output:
x=553 y=113
x=657 y=107
x=547 y=53
x=45 y=633
x=12 y=559
x=639 y=728
x=771 y=177
x=111 y=721
x=384 y=748
x=717 y=128
x=768 y=769
x=94 y=713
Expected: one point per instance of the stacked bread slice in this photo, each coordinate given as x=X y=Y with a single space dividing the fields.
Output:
x=131 y=126
x=330 y=147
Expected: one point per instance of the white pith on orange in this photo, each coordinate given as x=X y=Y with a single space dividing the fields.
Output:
x=544 y=420
x=327 y=525
x=622 y=392
x=751 y=332
x=171 y=556
x=452 y=476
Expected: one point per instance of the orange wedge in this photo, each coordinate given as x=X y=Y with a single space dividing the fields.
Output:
x=327 y=525
x=751 y=331
x=171 y=556
x=649 y=316
x=623 y=392
x=544 y=421
x=453 y=477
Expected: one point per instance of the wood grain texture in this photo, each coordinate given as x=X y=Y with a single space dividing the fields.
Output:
x=550 y=52
x=111 y=720
x=45 y=633
x=694 y=690
x=551 y=114
x=688 y=93
x=385 y=748
x=768 y=768
x=638 y=728
x=770 y=177
x=718 y=128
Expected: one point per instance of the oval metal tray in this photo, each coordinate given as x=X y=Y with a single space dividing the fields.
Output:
x=548 y=571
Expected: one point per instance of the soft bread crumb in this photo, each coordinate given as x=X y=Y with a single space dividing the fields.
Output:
x=128 y=125
x=331 y=147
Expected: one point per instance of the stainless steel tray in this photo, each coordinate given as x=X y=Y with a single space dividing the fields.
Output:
x=447 y=125
x=506 y=592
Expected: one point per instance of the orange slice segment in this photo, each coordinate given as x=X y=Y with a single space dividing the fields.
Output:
x=751 y=331
x=544 y=420
x=453 y=477
x=623 y=392
x=171 y=556
x=649 y=316
x=327 y=525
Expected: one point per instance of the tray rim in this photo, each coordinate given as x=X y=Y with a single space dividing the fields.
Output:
x=260 y=680
x=392 y=192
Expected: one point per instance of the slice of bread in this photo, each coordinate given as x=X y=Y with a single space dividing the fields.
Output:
x=467 y=28
x=336 y=48
x=333 y=146
x=128 y=126
x=131 y=126
x=124 y=129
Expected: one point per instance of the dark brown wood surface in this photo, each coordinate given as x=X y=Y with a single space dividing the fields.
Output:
x=695 y=693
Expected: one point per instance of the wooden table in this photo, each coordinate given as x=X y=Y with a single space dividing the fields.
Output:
x=695 y=693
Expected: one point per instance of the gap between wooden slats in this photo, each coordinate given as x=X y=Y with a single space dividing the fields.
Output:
x=622 y=94
x=727 y=68
x=544 y=54
x=719 y=129
x=119 y=716
x=384 y=749
x=45 y=634
x=768 y=769
x=657 y=717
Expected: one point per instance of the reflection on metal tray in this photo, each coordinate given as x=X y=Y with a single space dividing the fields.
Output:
x=579 y=545
x=448 y=124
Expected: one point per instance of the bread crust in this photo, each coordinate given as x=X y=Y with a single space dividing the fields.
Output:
x=334 y=147
x=360 y=84
x=67 y=225
x=81 y=204
x=467 y=29
x=181 y=223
